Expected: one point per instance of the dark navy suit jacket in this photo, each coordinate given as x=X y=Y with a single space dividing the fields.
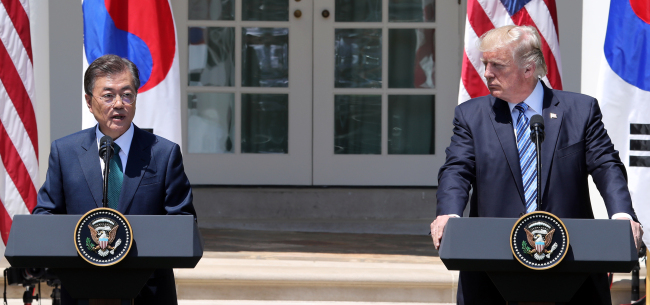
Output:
x=483 y=155
x=154 y=184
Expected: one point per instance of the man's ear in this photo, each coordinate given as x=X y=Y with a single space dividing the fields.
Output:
x=529 y=70
x=89 y=100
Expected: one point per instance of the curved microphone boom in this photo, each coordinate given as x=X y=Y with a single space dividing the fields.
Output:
x=537 y=137
x=106 y=153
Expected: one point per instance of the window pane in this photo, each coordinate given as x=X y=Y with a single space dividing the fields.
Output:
x=265 y=10
x=358 y=10
x=357 y=124
x=211 y=56
x=357 y=58
x=265 y=123
x=210 y=124
x=265 y=57
x=411 y=58
x=211 y=10
x=412 y=10
x=411 y=121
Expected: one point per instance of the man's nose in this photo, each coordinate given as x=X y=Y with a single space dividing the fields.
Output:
x=119 y=102
x=488 y=72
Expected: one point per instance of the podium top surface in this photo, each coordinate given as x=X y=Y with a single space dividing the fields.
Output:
x=159 y=241
x=483 y=244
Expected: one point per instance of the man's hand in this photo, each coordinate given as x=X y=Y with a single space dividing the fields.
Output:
x=437 y=228
x=637 y=231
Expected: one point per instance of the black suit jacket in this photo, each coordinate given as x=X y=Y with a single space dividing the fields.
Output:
x=483 y=155
x=154 y=184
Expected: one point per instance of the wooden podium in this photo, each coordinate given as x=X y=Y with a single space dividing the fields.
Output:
x=46 y=241
x=482 y=244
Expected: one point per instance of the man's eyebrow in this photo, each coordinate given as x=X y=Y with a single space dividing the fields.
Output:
x=127 y=87
x=494 y=61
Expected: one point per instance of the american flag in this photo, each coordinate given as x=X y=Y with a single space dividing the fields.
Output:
x=18 y=134
x=484 y=15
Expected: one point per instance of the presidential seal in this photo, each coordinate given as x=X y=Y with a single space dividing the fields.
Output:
x=539 y=240
x=103 y=237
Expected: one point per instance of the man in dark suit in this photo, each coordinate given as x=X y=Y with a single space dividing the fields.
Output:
x=153 y=179
x=490 y=134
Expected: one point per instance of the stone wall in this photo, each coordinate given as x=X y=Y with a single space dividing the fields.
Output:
x=317 y=209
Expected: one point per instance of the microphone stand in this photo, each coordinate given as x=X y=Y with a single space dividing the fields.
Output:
x=106 y=156
x=538 y=148
x=537 y=128
x=106 y=171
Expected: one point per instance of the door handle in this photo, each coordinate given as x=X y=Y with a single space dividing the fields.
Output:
x=325 y=13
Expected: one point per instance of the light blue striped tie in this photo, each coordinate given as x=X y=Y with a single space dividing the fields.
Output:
x=527 y=158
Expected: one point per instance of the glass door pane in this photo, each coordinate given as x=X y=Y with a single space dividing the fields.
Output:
x=381 y=116
x=357 y=124
x=358 y=58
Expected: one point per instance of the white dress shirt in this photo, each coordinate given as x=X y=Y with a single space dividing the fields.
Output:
x=535 y=102
x=124 y=141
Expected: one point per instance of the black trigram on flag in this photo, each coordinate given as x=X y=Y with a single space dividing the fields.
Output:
x=637 y=146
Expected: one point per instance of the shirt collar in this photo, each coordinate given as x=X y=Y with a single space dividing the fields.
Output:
x=124 y=141
x=535 y=100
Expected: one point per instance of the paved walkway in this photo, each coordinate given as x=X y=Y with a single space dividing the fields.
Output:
x=327 y=267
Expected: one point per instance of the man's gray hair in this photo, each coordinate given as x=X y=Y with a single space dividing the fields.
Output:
x=525 y=41
x=108 y=65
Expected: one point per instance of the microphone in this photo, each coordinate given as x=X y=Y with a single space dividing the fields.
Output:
x=106 y=153
x=537 y=137
x=537 y=128
x=104 y=143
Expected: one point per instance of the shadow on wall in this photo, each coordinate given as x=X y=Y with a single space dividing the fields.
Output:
x=229 y=240
x=401 y=211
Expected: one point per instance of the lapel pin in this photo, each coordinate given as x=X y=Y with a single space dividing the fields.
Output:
x=553 y=115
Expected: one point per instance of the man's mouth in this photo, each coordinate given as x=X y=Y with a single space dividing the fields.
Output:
x=118 y=117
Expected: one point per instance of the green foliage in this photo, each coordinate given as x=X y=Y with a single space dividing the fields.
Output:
x=525 y=247
x=89 y=244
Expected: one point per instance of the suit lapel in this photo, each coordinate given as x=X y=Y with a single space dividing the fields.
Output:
x=502 y=122
x=551 y=129
x=89 y=159
x=138 y=161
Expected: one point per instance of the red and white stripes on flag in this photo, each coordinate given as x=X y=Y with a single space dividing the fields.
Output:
x=18 y=133
x=484 y=15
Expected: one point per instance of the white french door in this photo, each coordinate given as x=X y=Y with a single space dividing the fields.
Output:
x=385 y=85
x=248 y=67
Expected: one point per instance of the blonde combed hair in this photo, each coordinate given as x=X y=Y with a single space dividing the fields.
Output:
x=525 y=41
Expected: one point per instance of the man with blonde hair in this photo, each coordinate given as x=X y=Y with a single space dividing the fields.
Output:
x=492 y=153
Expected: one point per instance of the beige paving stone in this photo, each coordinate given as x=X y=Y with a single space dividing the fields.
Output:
x=317 y=277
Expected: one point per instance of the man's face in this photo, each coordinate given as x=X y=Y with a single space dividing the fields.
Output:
x=505 y=79
x=114 y=118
